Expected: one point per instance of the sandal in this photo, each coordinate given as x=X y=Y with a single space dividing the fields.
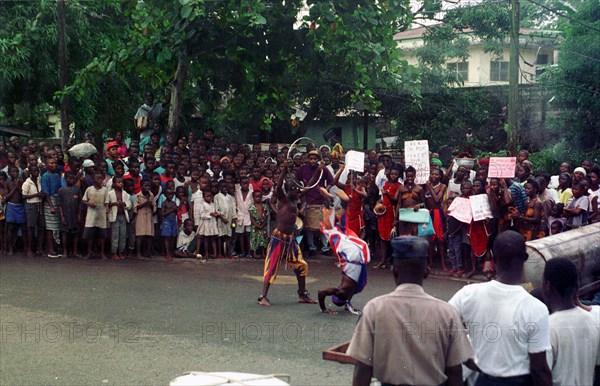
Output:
x=263 y=301
x=380 y=266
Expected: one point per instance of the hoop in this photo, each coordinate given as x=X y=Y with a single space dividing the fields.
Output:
x=300 y=184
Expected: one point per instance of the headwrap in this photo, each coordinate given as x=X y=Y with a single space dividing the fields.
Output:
x=436 y=161
x=224 y=158
x=581 y=170
x=260 y=182
x=337 y=151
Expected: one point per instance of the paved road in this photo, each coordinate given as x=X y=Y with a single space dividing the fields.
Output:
x=90 y=322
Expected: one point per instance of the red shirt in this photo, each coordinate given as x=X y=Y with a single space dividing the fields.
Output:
x=255 y=184
x=164 y=179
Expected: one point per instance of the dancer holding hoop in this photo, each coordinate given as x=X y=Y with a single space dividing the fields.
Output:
x=283 y=245
x=313 y=214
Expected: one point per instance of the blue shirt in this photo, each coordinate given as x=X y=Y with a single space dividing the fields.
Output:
x=519 y=197
x=50 y=183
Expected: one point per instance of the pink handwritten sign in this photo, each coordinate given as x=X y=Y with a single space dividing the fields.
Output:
x=416 y=154
x=460 y=209
x=502 y=167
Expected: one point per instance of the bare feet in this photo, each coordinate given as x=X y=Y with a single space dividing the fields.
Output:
x=264 y=301
x=329 y=311
x=470 y=274
x=139 y=257
x=169 y=258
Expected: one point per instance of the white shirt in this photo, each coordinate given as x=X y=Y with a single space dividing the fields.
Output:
x=184 y=240
x=29 y=187
x=575 y=339
x=380 y=179
x=505 y=324
x=343 y=176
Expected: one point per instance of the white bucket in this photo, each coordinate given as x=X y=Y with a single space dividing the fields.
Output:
x=199 y=378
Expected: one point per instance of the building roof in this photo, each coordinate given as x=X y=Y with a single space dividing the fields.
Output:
x=10 y=131
x=417 y=33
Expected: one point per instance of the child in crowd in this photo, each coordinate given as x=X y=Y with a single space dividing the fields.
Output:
x=15 y=210
x=530 y=223
x=577 y=208
x=454 y=237
x=259 y=217
x=33 y=195
x=186 y=241
x=478 y=232
x=434 y=202
x=243 y=200
x=128 y=186
x=225 y=205
x=169 y=227
x=117 y=208
x=207 y=228
x=386 y=212
x=594 y=195
x=144 y=207
x=183 y=205
x=95 y=219
x=69 y=203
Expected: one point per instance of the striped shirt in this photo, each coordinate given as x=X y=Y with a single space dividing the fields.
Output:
x=519 y=197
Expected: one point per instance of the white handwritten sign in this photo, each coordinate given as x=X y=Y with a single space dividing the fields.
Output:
x=460 y=209
x=480 y=206
x=416 y=154
x=502 y=167
x=355 y=160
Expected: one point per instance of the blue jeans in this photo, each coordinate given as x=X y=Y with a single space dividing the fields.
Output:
x=454 y=251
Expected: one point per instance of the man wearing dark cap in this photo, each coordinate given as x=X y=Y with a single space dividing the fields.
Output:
x=408 y=337
x=507 y=326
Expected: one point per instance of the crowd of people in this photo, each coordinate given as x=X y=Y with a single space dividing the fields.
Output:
x=207 y=197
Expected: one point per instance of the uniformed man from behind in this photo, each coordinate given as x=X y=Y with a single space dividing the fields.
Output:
x=408 y=337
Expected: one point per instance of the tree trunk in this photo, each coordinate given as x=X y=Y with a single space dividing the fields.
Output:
x=63 y=69
x=176 y=105
x=513 y=81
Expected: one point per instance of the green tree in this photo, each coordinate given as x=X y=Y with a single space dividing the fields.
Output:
x=576 y=78
x=251 y=63
x=29 y=62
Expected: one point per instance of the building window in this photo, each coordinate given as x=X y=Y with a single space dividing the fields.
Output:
x=460 y=70
x=499 y=71
x=542 y=61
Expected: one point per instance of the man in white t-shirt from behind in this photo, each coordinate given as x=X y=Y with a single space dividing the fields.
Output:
x=507 y=326
x=574 y=332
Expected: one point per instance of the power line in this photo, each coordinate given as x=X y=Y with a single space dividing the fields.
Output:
x=558 y=13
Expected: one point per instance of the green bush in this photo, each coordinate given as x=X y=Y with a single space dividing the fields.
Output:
x=550 y=158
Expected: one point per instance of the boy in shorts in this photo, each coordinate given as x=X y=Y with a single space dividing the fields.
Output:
x=95 y=219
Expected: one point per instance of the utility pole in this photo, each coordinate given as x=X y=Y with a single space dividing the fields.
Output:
x=63 y=71
x=513 y=81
